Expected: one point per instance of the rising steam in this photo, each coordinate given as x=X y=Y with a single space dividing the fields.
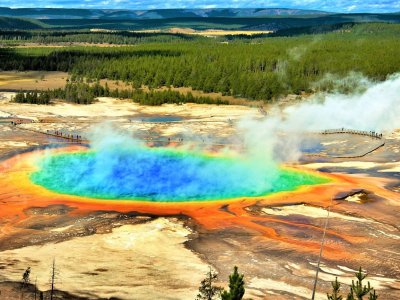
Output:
x=278 y=136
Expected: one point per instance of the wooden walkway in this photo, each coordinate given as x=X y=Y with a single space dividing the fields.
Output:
x=372 y=134
x=77 y=139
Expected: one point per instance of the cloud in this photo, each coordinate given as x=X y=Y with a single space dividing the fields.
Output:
x=333 y=6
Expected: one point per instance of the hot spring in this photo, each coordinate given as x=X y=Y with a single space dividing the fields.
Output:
x=163 y=175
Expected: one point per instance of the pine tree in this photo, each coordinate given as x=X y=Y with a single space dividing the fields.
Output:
x=335 y=291
x=373 y=296
x=26 y=277
x=350 y=296
x=359 y=290
x=207 y=289
x=236 y=286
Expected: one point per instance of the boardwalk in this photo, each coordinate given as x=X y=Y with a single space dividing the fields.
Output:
x=353 y=131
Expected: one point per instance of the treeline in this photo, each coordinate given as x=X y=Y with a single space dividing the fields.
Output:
x=76 y=92
x=33 y=97
x=79 y=93
x=84 y=93
x=93 y=37
x=265 y=70
x=172 y=97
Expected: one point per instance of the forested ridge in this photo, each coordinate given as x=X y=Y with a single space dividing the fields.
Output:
x=86 y=36
x=263 y=69
x=85 y=93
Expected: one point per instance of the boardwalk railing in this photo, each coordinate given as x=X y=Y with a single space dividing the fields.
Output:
x=372 y=134
x=60 y=134
x=74 y=138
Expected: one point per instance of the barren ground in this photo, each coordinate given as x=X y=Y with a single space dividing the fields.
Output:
x=32 y=80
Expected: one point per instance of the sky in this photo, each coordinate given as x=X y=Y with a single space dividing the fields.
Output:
x=325 y=5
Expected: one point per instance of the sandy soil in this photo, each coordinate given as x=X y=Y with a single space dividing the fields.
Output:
x=274 y=285
x=32 y=80
x=218 y=32
x=309 y=211
x=130 y=260
x=362 y=165
x=199 y=120
x=103 y=107
x=209 y=32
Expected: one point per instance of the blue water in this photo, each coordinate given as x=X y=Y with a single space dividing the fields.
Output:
x=159 y=119
x=162 y=175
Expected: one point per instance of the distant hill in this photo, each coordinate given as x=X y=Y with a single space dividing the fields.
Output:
x=63 y=13
x=20 y=23
x=303 y=21
x=272 y=23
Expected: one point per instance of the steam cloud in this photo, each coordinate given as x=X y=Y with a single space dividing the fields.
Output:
x=278 y=136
